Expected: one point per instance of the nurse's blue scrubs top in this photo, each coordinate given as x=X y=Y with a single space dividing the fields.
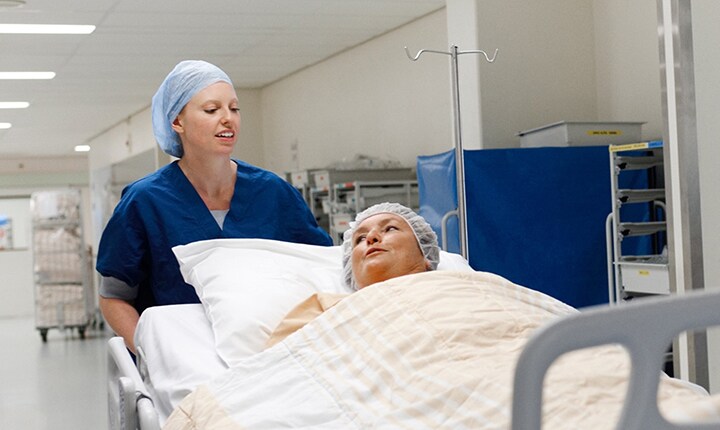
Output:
x=163 y=210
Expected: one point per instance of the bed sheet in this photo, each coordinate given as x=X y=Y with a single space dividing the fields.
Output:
x=434 y=350
x=255 y=283
x=176 y=353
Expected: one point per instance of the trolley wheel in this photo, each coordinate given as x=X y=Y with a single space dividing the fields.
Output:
x=81 y=332
x=43 y=334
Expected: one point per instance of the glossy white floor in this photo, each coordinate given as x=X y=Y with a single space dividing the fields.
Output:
x=59 y=384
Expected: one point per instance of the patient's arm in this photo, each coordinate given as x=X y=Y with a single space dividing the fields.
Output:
x=122 y=318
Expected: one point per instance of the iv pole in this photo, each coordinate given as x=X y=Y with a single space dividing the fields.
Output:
x=459 y=157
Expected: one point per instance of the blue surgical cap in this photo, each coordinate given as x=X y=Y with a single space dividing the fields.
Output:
x=184 y=81
x=426 y=237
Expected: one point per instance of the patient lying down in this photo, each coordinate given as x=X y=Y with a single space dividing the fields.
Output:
x=386 y=240
x=413 y=347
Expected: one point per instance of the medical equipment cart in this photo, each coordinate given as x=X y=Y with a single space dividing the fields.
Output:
x=350 y=198
x=325 y=190
x=61 y=262
x=637 y=275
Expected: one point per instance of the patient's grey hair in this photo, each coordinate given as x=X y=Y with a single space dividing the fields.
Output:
x=426 y=237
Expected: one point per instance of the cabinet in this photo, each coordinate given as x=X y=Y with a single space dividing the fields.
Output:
x=350 y=198
x=61 y=263
x=646 y=273
x=335 y=196
x=304 y=182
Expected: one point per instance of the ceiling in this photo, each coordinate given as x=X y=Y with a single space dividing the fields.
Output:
x=103 y=78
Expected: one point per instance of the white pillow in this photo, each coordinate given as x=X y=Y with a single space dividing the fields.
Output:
x=453 y=262
x=247 y=286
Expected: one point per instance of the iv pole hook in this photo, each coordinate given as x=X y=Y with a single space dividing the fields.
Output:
x=488 y=59
x=420 y=52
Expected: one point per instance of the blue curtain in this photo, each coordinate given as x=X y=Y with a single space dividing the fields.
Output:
x=436 y=186
x=536 y=216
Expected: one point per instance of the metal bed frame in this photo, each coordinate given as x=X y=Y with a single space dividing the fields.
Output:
x=129 y=405
x=645 y=327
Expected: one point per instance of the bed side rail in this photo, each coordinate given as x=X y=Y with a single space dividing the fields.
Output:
x=644 y=327
x=129 y=406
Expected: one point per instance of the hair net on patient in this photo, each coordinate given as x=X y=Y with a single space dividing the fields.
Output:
x=426 y=237
x=184 y=81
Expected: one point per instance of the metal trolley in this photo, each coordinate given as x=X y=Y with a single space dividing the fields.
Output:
x=636 y=275
x=61 y=263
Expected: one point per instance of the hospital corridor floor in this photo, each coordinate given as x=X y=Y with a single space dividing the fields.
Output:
x=56 y=385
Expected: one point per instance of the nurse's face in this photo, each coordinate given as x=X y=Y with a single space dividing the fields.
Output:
x=210 y=121
x=385 y=247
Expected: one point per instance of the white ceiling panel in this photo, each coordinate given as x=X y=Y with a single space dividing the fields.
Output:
x=104 y=77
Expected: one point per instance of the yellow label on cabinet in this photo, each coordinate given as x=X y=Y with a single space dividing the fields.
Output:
x=628 y=147
x=643 y=273
x=604 y=132
x=633 y=146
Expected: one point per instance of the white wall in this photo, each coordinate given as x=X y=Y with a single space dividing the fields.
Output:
x=369 y=100
x=462 y=29
x=372 y=100
x=23 y=175
x=126 y=139
x=558 y=60
x=17 y=282
x=705 y=15
x=627 y=63
x=587 y=60
x=545 y=69
x=17 y=208
x=250 y=142
x=16 y=264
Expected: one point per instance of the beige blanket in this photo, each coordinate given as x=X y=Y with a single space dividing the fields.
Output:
x=429 y=351
x=306 y=311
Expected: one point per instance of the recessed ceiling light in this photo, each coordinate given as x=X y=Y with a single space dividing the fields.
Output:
x=46 y=29
x=4 y=125
x=82 y=148
x=14 y=105
x=27 y=75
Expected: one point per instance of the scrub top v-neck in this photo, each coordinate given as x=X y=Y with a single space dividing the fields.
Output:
x=163 y=210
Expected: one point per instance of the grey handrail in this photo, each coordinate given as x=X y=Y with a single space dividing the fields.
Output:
x=443 y=228
x=135 y=409
x=645 y=327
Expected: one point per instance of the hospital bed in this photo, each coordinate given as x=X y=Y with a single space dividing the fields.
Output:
x=182 y=347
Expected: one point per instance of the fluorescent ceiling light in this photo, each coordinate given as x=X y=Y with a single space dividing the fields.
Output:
x=4 y=125
x=82 y=148
x=45 y=29
x=11 y=3
x=14 y=105
x=27 y=75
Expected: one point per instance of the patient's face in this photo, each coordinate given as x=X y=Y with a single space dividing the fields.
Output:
x=385 y=247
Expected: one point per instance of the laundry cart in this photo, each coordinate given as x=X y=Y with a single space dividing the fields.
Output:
x=61 y=263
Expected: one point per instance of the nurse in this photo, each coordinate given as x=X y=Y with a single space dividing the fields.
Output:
x=205 y=194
